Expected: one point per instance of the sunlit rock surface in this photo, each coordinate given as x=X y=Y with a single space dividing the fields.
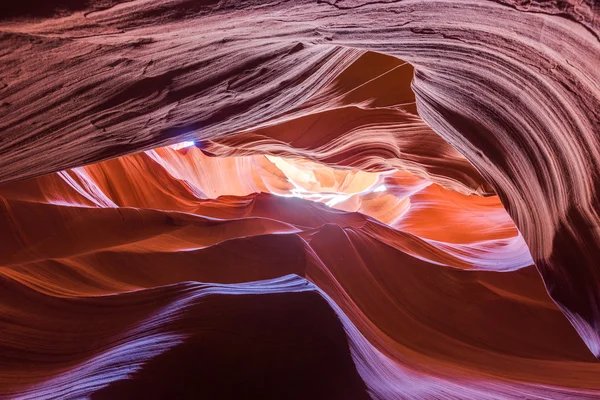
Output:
x=130 y=236
x=338 y=223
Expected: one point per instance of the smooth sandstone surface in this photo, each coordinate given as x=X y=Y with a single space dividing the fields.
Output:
x=384 y=200
x=103 y=270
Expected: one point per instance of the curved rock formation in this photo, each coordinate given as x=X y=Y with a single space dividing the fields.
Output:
x=143 y=227
x=428 y=126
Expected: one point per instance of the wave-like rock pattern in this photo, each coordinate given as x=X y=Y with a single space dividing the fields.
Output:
x=103 y=262
x=181 y=178
x=511 y=88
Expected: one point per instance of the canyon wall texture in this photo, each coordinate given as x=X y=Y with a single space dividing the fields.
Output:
x=473 y=273
x=101 y=268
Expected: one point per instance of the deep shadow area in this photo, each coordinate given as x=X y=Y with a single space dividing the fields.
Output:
x=279 y=346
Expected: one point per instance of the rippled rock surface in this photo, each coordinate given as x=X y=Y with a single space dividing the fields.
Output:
x=373 y=199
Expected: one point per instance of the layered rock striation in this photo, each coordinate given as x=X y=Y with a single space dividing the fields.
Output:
x=384 y=199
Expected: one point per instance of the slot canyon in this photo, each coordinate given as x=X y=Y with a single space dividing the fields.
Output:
x=330 y=199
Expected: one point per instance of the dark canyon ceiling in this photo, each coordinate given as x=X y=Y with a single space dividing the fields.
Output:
x=299 y=200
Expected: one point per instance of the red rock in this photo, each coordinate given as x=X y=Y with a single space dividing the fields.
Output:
x=134 y=270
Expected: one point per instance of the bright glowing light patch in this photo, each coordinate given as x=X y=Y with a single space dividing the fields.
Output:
x=311 y=181
x=182 y=145
x=337 y=198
